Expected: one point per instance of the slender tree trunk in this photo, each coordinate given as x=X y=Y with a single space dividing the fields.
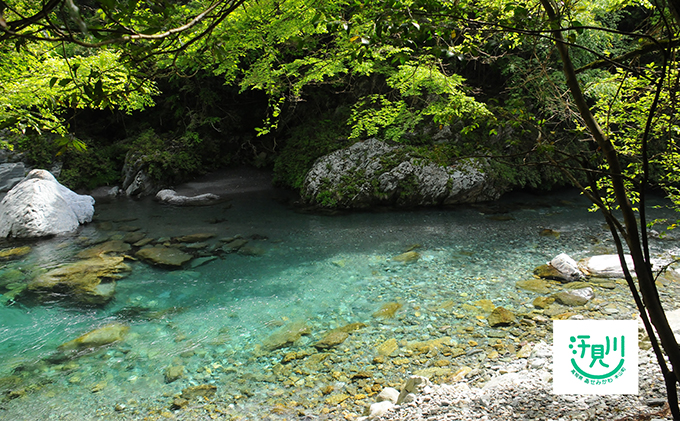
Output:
x=643 y=267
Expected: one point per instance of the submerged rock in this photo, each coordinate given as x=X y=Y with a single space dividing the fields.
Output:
x=286 y=336
x=543 y=302
x=97 y=338
x=194 y=238
x=387 y=311
x=205 y=390
x=408 y=257
x=333 y=338
x=388 y=347
x=173 y=373
x=133 y=237
x=108 y=247
x=164 y=256
x=14 y=253
x=83 y=280
x=234 y=245
x=534 y=285
x=438 y=344
x=39 y=206
x=501 y=316
x=352 y=327
x=250 y=250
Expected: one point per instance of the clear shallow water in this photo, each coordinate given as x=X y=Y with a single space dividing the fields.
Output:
x=327 y=271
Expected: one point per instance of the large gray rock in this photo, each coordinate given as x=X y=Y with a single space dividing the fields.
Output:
x=136 y=181
x=373 y=172
x=39 y=206
x=11 y=175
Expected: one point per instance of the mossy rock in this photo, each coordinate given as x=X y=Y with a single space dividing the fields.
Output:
x=14 y=253
x=164 y=256
x=113 y=332
x=501 y=316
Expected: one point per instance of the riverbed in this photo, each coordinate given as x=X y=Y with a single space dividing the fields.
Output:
x=410 y=290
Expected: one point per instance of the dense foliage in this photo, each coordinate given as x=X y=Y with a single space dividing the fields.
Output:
x=482 y=79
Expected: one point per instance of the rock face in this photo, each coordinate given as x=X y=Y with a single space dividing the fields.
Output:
x=372 y=172
x=11 y=175
x=172 y=198
x=39 y=206
x=136 y=181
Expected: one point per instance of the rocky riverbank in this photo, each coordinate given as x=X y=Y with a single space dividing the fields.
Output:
x=522 y=390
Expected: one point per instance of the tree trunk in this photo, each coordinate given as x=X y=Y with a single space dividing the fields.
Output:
x=643 y=268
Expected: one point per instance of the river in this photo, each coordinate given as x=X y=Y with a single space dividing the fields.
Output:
x=214 y=320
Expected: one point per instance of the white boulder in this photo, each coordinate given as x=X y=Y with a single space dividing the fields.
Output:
x=388 y=394
x=39 y=206
x=379 y=409
x=172 y=198
x=606 y=266
x=566 y=266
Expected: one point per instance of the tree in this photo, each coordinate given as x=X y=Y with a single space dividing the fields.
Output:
x=624 y=188
x=71 y=55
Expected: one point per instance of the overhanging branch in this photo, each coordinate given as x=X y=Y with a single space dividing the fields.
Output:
x=644 y=49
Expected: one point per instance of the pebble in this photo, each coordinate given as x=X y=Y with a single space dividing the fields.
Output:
x=528 y=395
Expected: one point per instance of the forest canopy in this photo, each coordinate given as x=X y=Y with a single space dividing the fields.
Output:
x=399 y=70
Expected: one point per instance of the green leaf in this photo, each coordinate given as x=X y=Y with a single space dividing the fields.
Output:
x=98 y=89
x=65 y=82
x=578 y=26
x=8 y=123
x=53 y=81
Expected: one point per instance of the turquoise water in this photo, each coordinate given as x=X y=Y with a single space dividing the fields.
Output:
x=212 y=319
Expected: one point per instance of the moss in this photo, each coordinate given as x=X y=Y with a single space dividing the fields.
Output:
x=310 y=140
